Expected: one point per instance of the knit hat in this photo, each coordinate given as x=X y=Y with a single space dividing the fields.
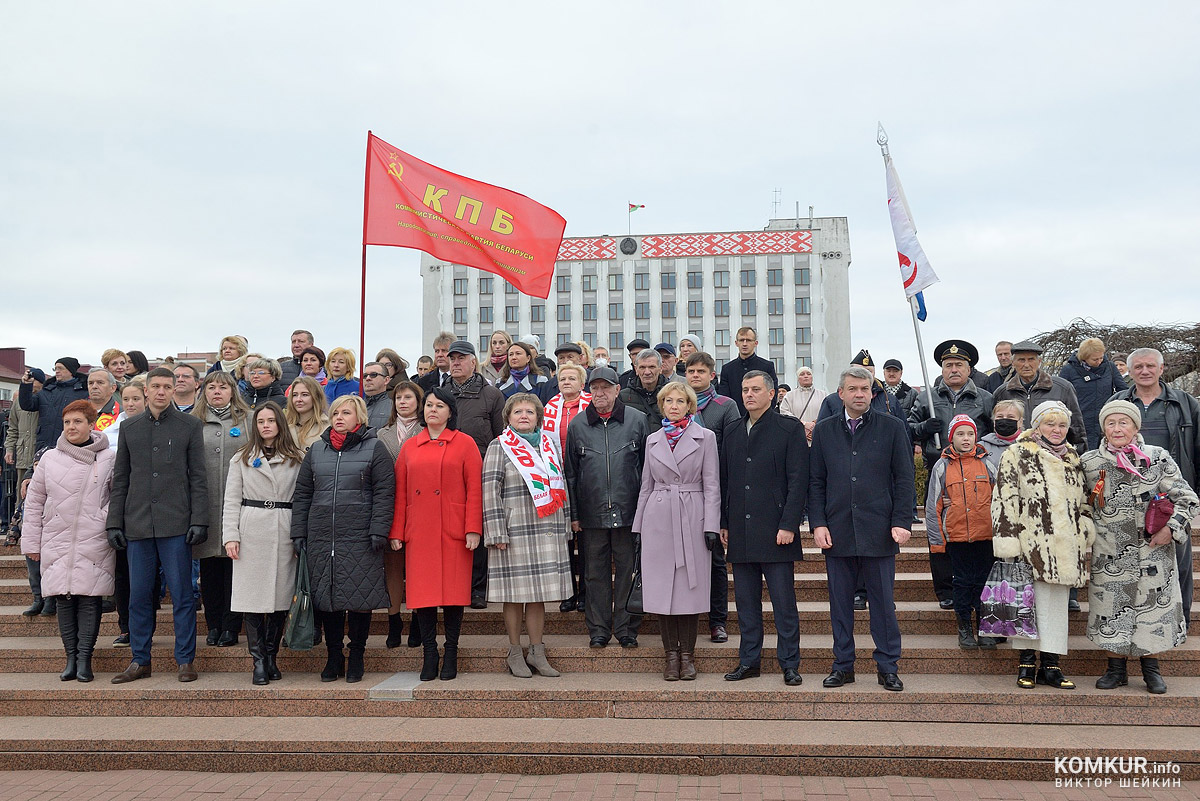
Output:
x=694 y=339
x=962 y=420
x=38 y=375
x=69 y=362
x=1049 y=407
x=1124 y=407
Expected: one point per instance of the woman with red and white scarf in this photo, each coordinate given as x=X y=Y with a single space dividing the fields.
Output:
x=526 y=513
x=559 y=412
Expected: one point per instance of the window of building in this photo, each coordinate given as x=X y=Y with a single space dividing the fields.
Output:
x=512 y=314
x=589 y=283
x=564 y=339
x=778 y=362
x=804 y=361
x=803 y=305
x=775 y=277
x=616 y=340
x=748 y=277
x=616 y=282
x=749 y=307
x=485 y=342
x=537 y=313
x=642 y=335
x=668 y=280
x=509 y=289
x=564 y=283
x=721 y=307
x=641 y=280
x=668 y=337
x=695 y=280
x=721 y=278
x=668 y=308
x=775 y=336
x=590 y=338
x=641 y=311
x=721 y=363
x=804 y=336
x=616 y=311
x=485 y=315
x=695 y=308
x=485 y=285
x=460 y=286
x=775 y=306
x=721 y=338
x=564 y=312
x=589 y=311
x=460 y=315
x=803 y=276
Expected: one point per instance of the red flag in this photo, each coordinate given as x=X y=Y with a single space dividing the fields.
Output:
x=410 y=203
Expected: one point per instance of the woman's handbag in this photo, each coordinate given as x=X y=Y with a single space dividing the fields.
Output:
x=1158 y=514
x=300 y=630
x=633 y=604
x=1008 y=603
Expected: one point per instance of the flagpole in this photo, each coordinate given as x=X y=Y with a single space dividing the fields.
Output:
x=362 y=309
x=629 y=218
x=882 y=138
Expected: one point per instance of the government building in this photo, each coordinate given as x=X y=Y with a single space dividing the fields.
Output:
x=789 y=281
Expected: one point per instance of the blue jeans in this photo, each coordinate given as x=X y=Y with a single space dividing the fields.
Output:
x=175 y=556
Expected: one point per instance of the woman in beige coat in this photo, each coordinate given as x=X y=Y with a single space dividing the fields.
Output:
x=256 y=533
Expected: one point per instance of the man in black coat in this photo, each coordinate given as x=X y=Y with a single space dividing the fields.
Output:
x=735 y=370
x=764 y=479
x=158 y=510
x=860 y=510
x=68 y=385
x=642 y=394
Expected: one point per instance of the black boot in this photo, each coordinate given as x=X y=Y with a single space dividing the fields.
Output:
x=1026 y=669
x=395 y=631
x=88 y=617
x=453 y=616
x=272 y=636
x=428 y=624
x=414 y=632
x=335 y=664
x=966 y=633
x=35 y=608
x=254 y=644
x=68 y=628
x=985 y=642
x=49 y=606
x=1116 y=676
x=1152 y=676
x=1051 y=675
x=360 y=627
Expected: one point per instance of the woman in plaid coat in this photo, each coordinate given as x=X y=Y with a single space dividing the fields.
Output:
x=525 y=526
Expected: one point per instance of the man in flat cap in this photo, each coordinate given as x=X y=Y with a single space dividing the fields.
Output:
x=954 y=393
x=1032 y=385
x=894 y=384
x=630 y=376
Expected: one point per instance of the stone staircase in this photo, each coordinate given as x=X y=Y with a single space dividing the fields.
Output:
x=961 y=714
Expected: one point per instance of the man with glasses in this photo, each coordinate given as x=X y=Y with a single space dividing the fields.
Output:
x=375 y=381
x=747 y=361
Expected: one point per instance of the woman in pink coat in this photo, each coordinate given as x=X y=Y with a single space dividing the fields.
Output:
x=65 y=512
x=678 y=517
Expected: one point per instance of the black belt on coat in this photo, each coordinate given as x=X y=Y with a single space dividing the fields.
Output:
x=267 y=504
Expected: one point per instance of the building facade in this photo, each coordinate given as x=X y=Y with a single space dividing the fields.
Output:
x=790 y=282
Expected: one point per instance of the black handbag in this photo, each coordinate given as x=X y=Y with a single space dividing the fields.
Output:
x=300 y=629
x=633 y=604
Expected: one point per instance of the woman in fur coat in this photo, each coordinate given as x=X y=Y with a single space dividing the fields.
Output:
x=1040 y=515
x=1135 y=607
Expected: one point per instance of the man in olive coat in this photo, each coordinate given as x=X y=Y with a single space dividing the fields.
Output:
x=158 y=510
x=764 y=482
x=860 y=508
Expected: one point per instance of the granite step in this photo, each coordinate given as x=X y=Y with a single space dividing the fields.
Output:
x=544 y=746
x=479 y=653
x=927 y=698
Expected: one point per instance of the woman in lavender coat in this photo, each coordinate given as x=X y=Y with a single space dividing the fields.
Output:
x=678 y=517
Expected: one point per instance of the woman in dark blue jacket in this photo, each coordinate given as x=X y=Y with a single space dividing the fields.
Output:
x=522 y=374
x=1096 y=379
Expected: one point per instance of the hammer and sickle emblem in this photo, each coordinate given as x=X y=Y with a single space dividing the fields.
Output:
x=395 y=168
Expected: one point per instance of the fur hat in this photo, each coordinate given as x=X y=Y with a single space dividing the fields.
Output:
x=1124 y=407
x=1049 y=407
x=963 y=420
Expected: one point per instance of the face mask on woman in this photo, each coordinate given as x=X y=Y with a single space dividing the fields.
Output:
x=1005 y=427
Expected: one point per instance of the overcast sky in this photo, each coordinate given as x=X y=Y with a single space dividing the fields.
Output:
x=174 y=172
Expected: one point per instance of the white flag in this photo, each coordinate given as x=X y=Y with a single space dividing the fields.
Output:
x=915 y=271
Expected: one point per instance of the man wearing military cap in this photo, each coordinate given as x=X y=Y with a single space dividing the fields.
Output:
x=881 y=400
x=954 y=393
x=1032 y=385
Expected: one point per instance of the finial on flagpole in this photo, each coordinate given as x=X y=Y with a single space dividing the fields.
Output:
x=882 y=138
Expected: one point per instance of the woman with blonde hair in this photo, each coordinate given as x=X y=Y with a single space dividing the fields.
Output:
x=220 y=407
x=306 y=411
x=339 y=366
x=498 y=347
x=116 y=362
x=586 y=360
x=1095 y=379
x=233 y=347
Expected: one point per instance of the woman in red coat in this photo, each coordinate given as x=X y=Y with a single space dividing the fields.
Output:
x=439 y=517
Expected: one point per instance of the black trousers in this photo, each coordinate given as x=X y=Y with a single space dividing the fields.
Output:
x=747 y=593
x=216 y=588
x=608 y=559
x=971 y=562
x=1183 y=561
x=479 y=559
x=718 y=606
x=878 y=575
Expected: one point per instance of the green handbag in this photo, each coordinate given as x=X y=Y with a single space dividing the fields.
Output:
x=300 y=631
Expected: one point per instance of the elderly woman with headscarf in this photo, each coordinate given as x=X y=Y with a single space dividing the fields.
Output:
x=1134 y=603
x=1041 y=516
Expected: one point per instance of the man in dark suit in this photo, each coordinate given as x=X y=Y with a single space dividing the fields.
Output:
x=747 y=361
x=439 y=376
x=158 y=510
x=764 y=478
x=861 y=512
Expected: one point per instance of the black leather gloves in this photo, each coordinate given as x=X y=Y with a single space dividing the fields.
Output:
x=711 y=538
x=116 y=538
x=196 y=535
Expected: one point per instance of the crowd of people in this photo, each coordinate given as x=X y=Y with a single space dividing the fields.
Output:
x=522 y=480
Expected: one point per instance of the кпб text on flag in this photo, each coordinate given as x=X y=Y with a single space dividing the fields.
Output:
x=410 y=203
x=915 y=271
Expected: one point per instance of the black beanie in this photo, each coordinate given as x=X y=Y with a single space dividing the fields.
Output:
x=71 y=364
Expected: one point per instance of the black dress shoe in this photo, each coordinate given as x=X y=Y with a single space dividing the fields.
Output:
x=837 y=678
x=122 y=641
x=227 y=639
x=598 y=642
x=791 y=677
x=744 y=672
x=213 y=636
x=891 y=681
x=860 y=602
x=567 y=605
x=628 y=642
x=478 y=602
x=946 y=603
x=1073 y=606
x=719 y=634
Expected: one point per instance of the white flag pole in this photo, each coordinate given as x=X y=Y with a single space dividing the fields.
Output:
x=882 y=139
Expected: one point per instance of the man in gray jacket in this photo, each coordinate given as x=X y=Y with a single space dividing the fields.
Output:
x=1032 y=385
x=605 y=449
x=158 y=510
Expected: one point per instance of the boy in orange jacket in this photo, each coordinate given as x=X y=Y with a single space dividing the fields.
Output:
x=958 y=518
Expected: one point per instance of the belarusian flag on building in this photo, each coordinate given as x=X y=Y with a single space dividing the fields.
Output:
x=634 y=207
